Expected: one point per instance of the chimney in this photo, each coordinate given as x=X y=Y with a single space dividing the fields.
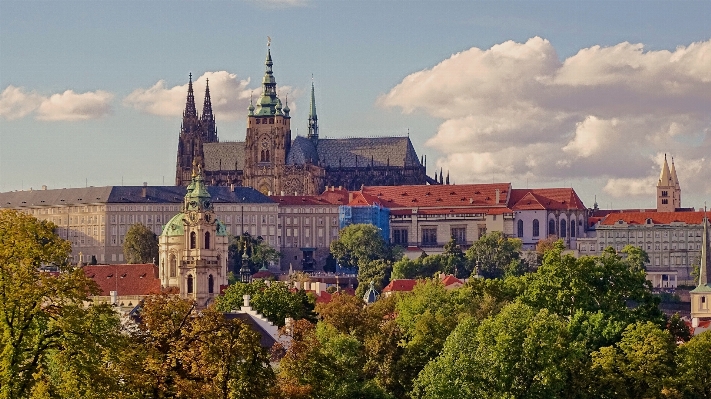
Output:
x=232 y=187
x=282 y=193
x=246 y=300
x=144 y=190
x=498 y=195
x=269 y=193
x=44 y=187
x=114 y=297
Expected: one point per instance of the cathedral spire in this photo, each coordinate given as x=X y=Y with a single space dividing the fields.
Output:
x=703 y=272
x=190 y=111
x=665 y=176
x=266 y=106
x=313 y=119
x=675 y=180
x=208 y=118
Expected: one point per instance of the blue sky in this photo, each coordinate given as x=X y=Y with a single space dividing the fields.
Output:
x=540 y=93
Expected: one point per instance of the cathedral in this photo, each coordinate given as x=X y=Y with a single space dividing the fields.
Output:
x=271 y=161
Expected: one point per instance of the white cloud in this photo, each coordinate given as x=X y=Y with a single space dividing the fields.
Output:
x=71 y=106
x=229 y=95
x=15 y=103
x=604 y=112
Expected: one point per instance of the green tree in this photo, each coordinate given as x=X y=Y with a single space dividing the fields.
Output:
x=49 y=341
x=258 y=251
x=140 y=245
x=274 y=300
x=636 y=367
x=693 y=367
x=496 y=256
x=359 y=244
x=519 y=353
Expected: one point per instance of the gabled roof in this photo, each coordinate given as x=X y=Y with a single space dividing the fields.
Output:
x=224 y=156
x=465 y=196
x=545 y=199
x=139 y=279
x=302 y=151
x=656 y=217
x=450 y=279
x=354 y=152
x=400 y=285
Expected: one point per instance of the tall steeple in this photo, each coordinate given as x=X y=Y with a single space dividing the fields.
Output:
x=207 y=120
x=313 y=119
x=190 y=140
x=190 y=111
x=665 y=176
x=668 y=191
x=703 y=272
x=266 y=106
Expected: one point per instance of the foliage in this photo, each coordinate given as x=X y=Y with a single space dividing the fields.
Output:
x=274 y=300
x=259 y=253
x=49 y=340
x=359 y=244
x=140 y=245
x=678 y=329
x=452 y=261
x=636 y=367
x=496 y=256
x=378 y=271
x=693 y=363
x=519 y=353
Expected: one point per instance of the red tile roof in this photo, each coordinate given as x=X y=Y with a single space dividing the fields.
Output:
x=441 y=196
x=656 y=217
x=332 y=196
x=449 y=280
x=141 y=279
x=545 y=198
x=400 y=285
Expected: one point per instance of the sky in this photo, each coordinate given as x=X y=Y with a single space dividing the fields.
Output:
x=582 y=94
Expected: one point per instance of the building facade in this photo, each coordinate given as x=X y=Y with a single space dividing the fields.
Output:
x=275 y=163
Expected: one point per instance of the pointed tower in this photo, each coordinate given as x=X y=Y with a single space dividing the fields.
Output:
x=189 y=141
x=676 y=197
x=193 y=246
x=207 y=120
x=268 y=138
x=665 y=190
x=313 y=118
x=701 y=295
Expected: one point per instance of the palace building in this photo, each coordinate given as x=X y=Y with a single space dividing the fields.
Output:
x=275 y=163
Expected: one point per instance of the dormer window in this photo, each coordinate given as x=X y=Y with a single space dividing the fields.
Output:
x=649 y=220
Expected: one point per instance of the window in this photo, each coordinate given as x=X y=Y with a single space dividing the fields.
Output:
x=460 y=235
x=210 y=284
x=429 y=236
x=173 y=263
x=400 y=237
x=482 y=230
x=193 y=240
x=207 y=240
x=572 y=228
x=520 y=228
x=190 y=284
x=551 y=227
x=563 y=228
x=536 y=228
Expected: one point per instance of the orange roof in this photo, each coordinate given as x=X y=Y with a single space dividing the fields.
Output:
x=656 y=217
x=545 y=198
x=449 y=280
x=400 y=285
x=441 y=196
x=141 y=279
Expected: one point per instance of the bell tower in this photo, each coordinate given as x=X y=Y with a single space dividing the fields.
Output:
x=668 y=189
x=268 y=138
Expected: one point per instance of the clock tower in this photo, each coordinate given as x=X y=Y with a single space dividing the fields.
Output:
x=193 y=246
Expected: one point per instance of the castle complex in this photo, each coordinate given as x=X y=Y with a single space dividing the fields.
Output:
x=270 y=161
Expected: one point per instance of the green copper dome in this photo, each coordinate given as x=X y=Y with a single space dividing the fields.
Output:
x=174 y=227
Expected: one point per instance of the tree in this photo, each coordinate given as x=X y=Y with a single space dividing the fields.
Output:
x=359 y=244
x=140 y=245
x=496 y=255
x=636 y=367
x=274 y=300
x=259 y=252
x=49 y=340
x=519 y=353
x=693 y=365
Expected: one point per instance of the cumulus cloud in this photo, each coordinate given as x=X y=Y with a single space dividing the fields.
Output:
x=16 y=103
x=229 y=95
x=516 y=108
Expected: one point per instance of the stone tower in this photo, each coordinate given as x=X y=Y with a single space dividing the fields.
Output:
x=668 y=189
x=313 y=118
x=194 y=131
x=193 y=246
x=268 y=138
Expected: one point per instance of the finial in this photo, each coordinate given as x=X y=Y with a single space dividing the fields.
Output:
x=191 y=76
x=269 y=41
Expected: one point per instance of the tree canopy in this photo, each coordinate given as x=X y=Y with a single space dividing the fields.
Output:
x=140 y=245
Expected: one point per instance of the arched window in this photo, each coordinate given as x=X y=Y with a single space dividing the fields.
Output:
x=261 y=156
x=266 y=158
x=536 y=228
x=563 y=228
x=207 y=240
x=210 y=284
x=551 y=227
x=520 y=228
x=190 y=283
x=173 y=264
x=572 y=228
x=193 y=240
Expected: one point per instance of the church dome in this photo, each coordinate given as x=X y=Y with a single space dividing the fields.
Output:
x=174 y=227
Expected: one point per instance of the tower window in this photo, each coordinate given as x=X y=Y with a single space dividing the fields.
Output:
x=210 y=284
x=665 y=201
x=190 y=283
x=258 y=121
x=665 y=193
x=551 y=227
x=563 y=228
x=520 y=228
x=207 y=240
x=173 y=263
x=193 y=240
x=536 y=228
x=572 y=228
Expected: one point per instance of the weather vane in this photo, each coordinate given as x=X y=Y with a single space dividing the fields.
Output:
x=269 y=41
